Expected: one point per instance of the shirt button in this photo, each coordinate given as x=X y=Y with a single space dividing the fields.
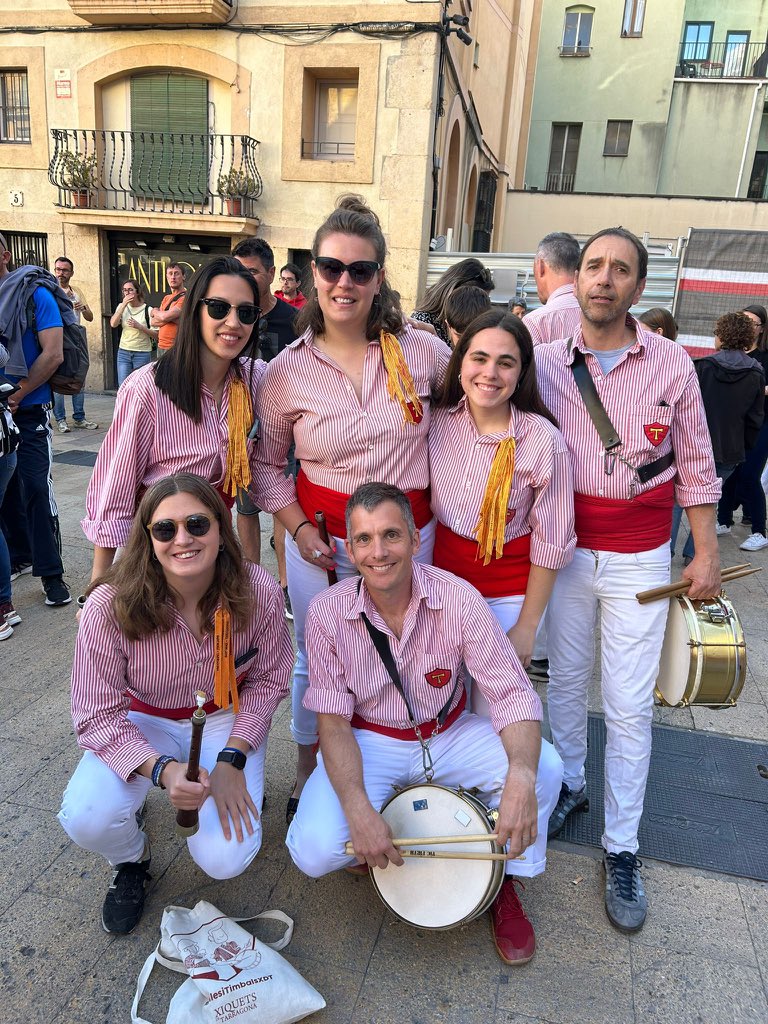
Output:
x=370 y=446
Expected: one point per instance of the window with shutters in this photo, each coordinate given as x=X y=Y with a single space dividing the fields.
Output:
x=617 y=138
x=563 y=157
x=482 y=231
x=634 y=15
x=169 y=119
x=14 y=107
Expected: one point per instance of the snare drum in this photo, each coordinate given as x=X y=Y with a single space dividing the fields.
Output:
x=439 y=894
x=704 y=657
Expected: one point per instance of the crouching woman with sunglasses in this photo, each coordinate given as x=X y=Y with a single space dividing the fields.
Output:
x=354 y=393
x=193 y=411
x=180 y=612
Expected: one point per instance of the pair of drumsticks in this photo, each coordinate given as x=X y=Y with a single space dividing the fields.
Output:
x=733 y=572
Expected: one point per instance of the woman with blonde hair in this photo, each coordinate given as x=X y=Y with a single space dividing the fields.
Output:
x=354 y=393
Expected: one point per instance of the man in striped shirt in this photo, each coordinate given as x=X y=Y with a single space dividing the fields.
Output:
x=623 y=509
x=434 y=624
x=553 y=269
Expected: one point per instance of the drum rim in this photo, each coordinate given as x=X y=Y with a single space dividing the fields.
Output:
x=497 y=870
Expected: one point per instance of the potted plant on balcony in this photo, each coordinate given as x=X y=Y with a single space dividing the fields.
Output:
x=78 y=174
x=234 y=186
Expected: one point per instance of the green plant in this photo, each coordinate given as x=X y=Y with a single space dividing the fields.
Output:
x=236 y=185
x=78 y=172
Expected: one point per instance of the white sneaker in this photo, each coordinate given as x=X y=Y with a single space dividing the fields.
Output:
x=63 y=427
x=754 y=543
x=720 y=529
x=6 y=631
x=85 y=424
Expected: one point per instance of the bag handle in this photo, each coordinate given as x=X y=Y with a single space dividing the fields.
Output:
x=176 y=965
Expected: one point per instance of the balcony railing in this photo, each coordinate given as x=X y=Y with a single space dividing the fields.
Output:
x=155 y=172
x=722 y=60
x=560 y=182
x=327 y=150
x=148 y=12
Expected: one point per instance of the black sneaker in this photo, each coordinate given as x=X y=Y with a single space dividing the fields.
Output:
x=124 y=904
x=569 y=800
x=538 y=670
x=56 y=591
x=20 y=570
x=625 y=901
x=288 y=609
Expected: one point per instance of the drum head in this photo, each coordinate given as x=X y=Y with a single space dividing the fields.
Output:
x=437 y=893
x=675 y=664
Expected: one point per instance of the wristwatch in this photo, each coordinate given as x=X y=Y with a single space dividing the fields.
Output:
x=230 y=755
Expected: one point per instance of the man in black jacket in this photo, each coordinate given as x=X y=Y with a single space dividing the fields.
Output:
x=733 y=388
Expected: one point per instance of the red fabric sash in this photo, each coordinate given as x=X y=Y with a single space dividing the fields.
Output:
x=502 y=577
x=314 y=498
x=426 y=729
x=174 y=714
x=609 y=524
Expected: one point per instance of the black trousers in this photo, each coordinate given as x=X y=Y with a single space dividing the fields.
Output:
x=30 y=516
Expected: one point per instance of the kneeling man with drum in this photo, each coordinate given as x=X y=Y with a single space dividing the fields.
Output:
x=387 y=656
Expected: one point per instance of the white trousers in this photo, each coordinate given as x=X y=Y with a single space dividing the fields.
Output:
x=468 y=754
x=304 y=582
x=98 y=810
x=631 y=639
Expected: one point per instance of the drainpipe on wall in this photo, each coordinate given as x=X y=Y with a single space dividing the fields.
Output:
x=746 y=138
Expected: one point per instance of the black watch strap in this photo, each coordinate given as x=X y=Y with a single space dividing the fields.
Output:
x=229 y=755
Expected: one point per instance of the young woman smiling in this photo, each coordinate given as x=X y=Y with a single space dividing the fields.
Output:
x=501 y=479
x=190 y=412
x=354 y=394
x=148 y=640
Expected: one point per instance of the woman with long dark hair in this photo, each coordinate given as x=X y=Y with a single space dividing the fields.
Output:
x=432 y=307
x=192 y=411
x=180 y=612
x=354 y=394
x=500 y=473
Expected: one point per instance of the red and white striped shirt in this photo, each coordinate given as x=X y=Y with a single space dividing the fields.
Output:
x=165 y=669
x=151 y=438
x=540 y=498
x=342 y=443
x=558 y=318
x=448 y=631
x=653 y=399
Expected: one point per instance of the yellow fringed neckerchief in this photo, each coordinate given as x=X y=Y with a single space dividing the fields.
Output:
x=492 y=520
x=399 y=380
x=224 y=680
x=239 y=419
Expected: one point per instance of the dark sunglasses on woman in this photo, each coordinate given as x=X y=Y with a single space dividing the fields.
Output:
x=360 y=272
x=196 y=525
x=218 y=309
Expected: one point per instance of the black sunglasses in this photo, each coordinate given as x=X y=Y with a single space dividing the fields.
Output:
x=196 y=525
x=218 y=309
x=360 y=272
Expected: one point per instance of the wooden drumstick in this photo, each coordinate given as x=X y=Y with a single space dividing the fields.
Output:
x=187 y=821
x=447 y=855
x=322 y=529
x=734 y=572
x=490 y=837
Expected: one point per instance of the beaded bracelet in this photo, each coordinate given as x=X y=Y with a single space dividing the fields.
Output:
x=305 y=522
x=158 y=767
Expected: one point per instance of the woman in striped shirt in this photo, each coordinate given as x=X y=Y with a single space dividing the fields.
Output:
x=189 y=412
x=353 y=393
x=180 y=612
x=500 y=473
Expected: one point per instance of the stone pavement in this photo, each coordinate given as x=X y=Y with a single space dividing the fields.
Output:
x=702 y=957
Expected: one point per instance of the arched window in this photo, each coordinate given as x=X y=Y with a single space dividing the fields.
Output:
x=577 y=31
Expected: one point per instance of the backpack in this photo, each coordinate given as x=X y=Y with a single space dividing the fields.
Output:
x=69 y=378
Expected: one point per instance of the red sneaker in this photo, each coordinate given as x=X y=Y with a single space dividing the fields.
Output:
x=512 y=931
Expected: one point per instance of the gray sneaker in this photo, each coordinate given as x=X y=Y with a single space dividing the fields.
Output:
x=625 y=901
x=569 y=800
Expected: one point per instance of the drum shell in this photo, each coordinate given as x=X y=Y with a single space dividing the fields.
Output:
x=392 y=889
x=704 y=655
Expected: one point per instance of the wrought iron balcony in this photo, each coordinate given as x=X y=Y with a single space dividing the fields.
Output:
x=560 y=182
x=155 y=172
x=731 y=59
x=147 y=12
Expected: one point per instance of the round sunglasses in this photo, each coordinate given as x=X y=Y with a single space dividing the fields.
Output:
x=360 y=272
x=218 y=309
x=196 y=525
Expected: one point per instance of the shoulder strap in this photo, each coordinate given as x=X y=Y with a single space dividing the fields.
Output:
x=589 y=396
x=381 y=643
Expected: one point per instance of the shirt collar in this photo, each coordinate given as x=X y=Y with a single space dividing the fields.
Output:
x=422 y=589
x=515 y=417
x=564 y=289
x=638 y=347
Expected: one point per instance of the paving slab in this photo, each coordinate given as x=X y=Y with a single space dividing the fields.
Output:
x=30 y=841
